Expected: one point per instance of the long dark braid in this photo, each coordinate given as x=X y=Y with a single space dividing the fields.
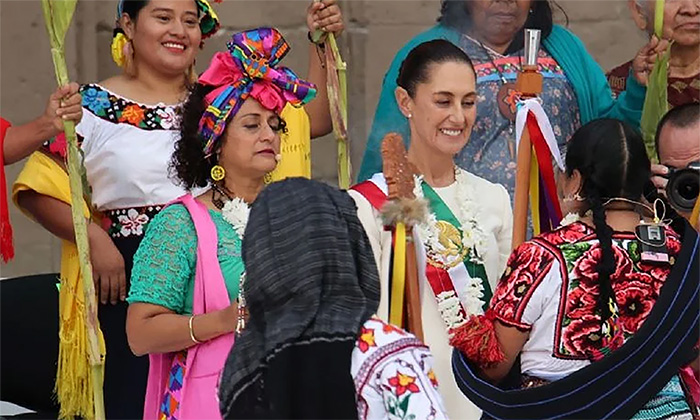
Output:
x=606 y=265
x=612 y=161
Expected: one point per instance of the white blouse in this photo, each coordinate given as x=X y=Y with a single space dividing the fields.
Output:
x=127 y=147
x=496 y=221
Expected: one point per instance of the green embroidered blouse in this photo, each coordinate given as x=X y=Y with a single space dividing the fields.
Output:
x=165 y=263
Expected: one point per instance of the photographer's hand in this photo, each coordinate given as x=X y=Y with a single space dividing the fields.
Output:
x=658 y=174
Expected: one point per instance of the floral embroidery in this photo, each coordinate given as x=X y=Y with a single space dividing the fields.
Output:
x=129 y=222
x=578 y=333
x=390 y=328
x=366 y=339
x=116 y=109
x=95 y=100
x=132 y=222
x=132 y=114
x=433 y=378
x=403 y=383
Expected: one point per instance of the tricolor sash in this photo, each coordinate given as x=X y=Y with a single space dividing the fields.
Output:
x=445 y=280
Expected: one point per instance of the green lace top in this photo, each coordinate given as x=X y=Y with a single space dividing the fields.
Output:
x=165 y=263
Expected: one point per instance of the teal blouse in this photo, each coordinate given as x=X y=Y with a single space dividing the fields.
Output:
x=165 y=263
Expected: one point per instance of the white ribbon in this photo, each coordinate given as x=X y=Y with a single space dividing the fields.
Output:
x=533 y=105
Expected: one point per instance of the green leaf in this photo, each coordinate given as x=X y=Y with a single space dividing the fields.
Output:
x=58 y=15
x=633 y=250
x=655 y=103
x=403 y=405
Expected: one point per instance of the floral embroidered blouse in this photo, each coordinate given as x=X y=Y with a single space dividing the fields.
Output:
x=393 y=375
x=165 y=263
x=550 y=289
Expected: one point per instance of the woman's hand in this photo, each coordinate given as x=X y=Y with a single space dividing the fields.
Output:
x=107 y=266
x=643 y=63
x=64 y=104
x=326 y=16
x=228 y=317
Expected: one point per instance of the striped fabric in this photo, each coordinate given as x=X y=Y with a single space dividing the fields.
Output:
x=311 y=284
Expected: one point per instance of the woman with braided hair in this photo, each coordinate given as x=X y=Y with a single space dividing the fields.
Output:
x=582 y=292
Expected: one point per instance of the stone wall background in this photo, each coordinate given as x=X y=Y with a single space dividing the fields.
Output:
x=376 y=29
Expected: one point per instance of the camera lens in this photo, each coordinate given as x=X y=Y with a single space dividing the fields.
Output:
x=683 y=188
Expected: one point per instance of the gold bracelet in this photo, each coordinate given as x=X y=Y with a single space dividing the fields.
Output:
x=194 y=340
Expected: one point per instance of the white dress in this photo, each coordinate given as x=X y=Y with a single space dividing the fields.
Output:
x=494 y=216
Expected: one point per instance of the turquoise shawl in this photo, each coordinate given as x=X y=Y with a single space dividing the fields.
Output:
x=585 y=75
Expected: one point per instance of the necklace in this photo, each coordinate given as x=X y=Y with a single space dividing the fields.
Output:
x=507 y=97
x=235 y=212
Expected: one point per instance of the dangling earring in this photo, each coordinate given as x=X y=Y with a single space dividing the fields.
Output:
x=129 y=66
x=217 y=173
x=191 y=74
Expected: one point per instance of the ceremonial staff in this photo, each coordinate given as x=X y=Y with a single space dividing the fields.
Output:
x=537 y=147
x=401 y=212
x=81 y=350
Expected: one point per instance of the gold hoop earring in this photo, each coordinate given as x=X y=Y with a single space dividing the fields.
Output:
x=217 y=173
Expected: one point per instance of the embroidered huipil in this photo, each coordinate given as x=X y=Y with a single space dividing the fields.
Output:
x=550 y=289
x=393 y=375
x=127 y=149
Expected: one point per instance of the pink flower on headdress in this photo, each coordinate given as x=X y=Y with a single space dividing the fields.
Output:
x=268 y=95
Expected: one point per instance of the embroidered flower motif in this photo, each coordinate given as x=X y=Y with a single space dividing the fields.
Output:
x=635 y=299
x=366 y=339
x=389 y=328
x=580 y=303
x=132 y=223
x=95 y=100
x=583 y=336
x=403 y=383
x=433 y=378
x=132 y=114
x=167 y=116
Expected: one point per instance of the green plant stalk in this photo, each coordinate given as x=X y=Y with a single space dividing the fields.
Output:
x=57 y=16
x=74 y=164
x=337 y=97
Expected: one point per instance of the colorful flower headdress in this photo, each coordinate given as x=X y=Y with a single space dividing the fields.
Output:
x=208 y=23
x=249 y=69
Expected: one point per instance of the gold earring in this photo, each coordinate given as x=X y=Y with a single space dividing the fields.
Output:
x=218 y=173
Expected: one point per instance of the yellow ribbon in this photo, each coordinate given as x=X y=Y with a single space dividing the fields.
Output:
x=398 y=279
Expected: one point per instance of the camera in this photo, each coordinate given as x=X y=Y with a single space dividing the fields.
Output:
x=683 y=186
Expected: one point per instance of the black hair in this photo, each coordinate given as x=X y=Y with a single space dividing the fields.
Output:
x=456 y=14
x=414 y=68
x=131 y=8
x=188 y=165
x=188 y=162
x=682 y=116
x=612 y=160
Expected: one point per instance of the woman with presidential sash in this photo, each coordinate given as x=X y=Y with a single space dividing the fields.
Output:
x=463 y=244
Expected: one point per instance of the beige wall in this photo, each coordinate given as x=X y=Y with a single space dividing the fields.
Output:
x=376 y=30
